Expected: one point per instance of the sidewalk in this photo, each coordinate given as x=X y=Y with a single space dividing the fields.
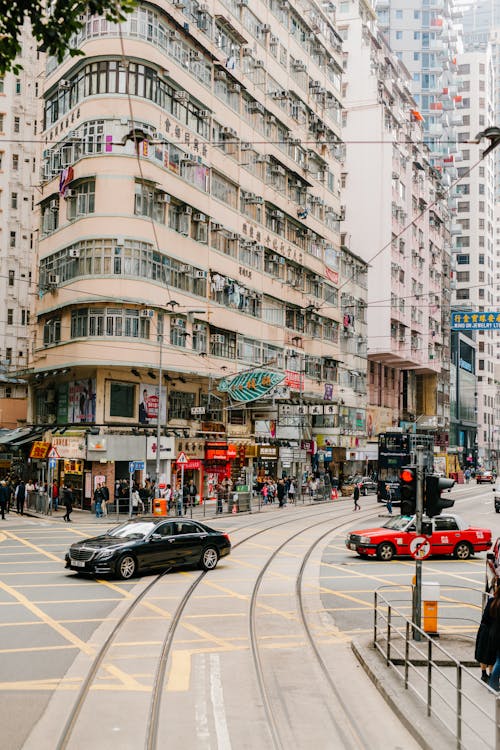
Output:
x=478 y=730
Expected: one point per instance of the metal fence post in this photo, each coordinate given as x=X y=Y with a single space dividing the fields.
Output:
x=388 y=657
x=459 y=706
x=429 y=676
x=407 y=653
x=375 y=603
x=497 y=723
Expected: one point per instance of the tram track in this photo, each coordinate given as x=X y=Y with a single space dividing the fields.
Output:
x=350 y=739
x=154 y=713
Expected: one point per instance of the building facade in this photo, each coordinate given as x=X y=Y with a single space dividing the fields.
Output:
x=190 y=231
x=403 y=235
x=18 y=133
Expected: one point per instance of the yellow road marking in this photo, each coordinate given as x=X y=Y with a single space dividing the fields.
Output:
x=35 y=547
x=180 y=672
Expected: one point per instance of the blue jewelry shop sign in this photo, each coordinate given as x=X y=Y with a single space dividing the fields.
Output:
x=475 y=321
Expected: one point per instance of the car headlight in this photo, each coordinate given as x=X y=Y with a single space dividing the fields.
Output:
x=364 y=540
x=105 y=554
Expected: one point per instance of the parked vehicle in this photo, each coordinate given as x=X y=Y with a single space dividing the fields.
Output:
x=450 y=535
x=485 y=476
x=149 y=544
x=496 y=495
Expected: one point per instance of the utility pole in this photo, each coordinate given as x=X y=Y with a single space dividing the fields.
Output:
x=160 y=403
x=417 y=594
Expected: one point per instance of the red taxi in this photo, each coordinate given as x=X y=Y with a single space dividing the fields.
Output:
x=451 y=535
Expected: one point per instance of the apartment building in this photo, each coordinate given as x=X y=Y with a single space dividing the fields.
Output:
x=190 y=215
x=397 y=220
x=18 y=121
x=474 y=229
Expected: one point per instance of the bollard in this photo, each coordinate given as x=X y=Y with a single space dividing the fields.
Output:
x=430 y=599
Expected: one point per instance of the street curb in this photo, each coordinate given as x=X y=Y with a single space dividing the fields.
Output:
x=426 y=730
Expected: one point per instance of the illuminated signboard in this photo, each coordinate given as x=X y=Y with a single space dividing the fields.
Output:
x=249 y=386
x=475 y=321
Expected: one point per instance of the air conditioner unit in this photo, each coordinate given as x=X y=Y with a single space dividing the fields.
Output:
x=147 y=313
x=74 y=252
x=234 y=236
x=199 y=327
x=402 y=339
x=276 y=169
x=220 y=75
x=217 y=338
x=279 y=94
x=52 y=279
x=216 y=227
x=195 y=55
x=271 y=119
x=200 y=274
x=162 y=198
x=273 y=39
x=277 y=214
x=199 y=217
x=181 y=96
x=186 y=210
x=54 y=205
x=274 y=258
x=178 y=322
x=242 y=2
x=263 y=159
x=179 y=4
x=234 y=88
x=174 y=34
x=246 y=146
x=204 y=114
x=183 y=268
x=64 y=84
x=259 y=200
x=229 y=131
x=265 y=28
x=258 y=64
x=299 y=65
x=256 y=107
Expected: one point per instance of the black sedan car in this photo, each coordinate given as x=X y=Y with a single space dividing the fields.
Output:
x=149 y=544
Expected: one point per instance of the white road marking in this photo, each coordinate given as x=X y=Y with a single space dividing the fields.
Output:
x=200 y=702
x=217 y=696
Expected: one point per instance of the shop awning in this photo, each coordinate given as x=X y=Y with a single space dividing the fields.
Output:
x=12 y=436
x=33 y=435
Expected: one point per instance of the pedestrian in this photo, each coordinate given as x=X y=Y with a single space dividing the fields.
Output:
x=220 y=492
x=169 y=497
x=67 y=498
x=20 y=496
x=105 y=499
x=356 y=497
x=280 y=492
x=98 y=501
x=467 y=476
x=55 y=495
x=388 y=493
x=493 y=615
x=192 y=492
x=291 y=490
x=4 y=497
x=265 y=492
x=484 y=651
x=179 y=499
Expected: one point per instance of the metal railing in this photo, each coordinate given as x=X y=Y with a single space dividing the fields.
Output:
x=448 y=688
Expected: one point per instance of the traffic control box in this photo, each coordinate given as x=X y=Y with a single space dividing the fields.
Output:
x=160 y=506
x=430 y=599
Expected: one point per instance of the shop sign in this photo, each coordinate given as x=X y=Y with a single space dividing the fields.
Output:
x=213 y=427
x=295 y=380
x=216 y=451
x=232 y=451
x=307 y=445
x=73 y=467
x=96 y=443
x=251 y=451
x=69 y=447
x=268 y=452
x=328 y=394
x=39 y=449
x=193 y=463
x=249 y=386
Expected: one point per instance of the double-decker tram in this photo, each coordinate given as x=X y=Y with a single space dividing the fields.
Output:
x=397 y=449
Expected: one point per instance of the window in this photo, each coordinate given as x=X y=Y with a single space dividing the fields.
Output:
x=122 y=400
x=17 y=124
x=399 y=35
x=481 y=259
x=13 y=200
x=110 y=321
x=462 y=294
x=18 y=86
x=11 y=278
x=149 y=202
x=52 y=331
x=2 y=84
x=445 y=524
x=2 y=120
x=15 y=162
x=178 y=333
x=180 y=405
x=83 y=200
x=10 y=316
x=12 y=240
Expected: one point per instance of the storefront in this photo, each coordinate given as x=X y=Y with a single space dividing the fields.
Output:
x=267 y=464
x=71 y=467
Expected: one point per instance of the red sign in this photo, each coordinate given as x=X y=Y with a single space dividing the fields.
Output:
x=294 y=380
x=216 y=451
x=232 y=451
x=193 y=463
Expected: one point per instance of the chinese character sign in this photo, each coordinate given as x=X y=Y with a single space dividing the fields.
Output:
x=475 y=321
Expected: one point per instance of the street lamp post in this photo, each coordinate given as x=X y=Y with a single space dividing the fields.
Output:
x=160 y=408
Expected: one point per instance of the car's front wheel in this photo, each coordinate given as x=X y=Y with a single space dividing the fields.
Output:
x=385 y=551
x=462 y=551
x=126 y=567
x=209 y=558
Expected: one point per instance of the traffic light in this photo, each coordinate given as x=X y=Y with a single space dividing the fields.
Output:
x=433 y=502
x=408 y=489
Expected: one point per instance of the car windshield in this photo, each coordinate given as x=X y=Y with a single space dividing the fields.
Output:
x=398 y=523
x=132 y=529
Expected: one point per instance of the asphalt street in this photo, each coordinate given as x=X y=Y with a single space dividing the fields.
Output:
x=48 y=615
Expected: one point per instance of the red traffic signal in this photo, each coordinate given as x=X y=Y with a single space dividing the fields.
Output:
x=407 y=475
x=408 y=489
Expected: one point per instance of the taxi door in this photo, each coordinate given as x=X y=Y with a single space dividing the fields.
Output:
x=445 y=535
x=404 y=538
